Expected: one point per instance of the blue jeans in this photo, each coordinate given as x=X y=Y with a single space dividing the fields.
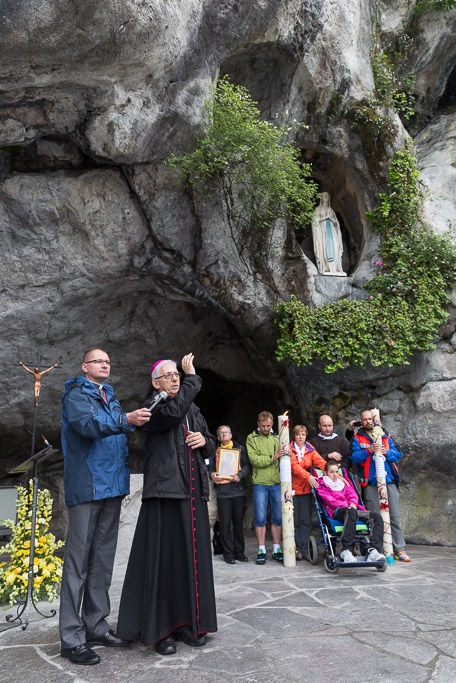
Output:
x=261 y=495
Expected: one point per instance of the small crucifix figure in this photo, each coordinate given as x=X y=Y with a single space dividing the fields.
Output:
x=37 y=375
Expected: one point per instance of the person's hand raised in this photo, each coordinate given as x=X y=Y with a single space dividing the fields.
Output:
x=187 y=364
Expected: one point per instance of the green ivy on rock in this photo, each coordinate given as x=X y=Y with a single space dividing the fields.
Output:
x=257 y=168
x=423 y=6
x=406 y=298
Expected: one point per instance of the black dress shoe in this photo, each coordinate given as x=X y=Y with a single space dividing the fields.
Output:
x=167 y=646
x=108 y=640
x=241 y=558
x=81 y=654
x=229 y=559
x=189 y=639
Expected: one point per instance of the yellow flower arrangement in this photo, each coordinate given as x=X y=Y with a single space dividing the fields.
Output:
x=47 y=567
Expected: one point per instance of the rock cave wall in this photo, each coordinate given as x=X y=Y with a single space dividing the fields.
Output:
x=102 y=245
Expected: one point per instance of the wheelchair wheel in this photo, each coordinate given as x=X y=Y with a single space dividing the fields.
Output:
x=330 y=566
x=382 y=568
x=312 y=550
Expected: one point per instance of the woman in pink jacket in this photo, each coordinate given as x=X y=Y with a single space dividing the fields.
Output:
x=342 y=503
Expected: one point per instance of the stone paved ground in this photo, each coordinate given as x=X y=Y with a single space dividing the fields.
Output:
x=279 y=624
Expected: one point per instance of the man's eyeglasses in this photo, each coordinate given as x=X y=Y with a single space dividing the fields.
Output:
x=98 y=361
x=169 y=375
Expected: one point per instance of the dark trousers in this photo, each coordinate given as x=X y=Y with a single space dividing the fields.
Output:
x=349 y=516
x=87 y=570
x=231 y=525
x=302 y=505
x=370 y=495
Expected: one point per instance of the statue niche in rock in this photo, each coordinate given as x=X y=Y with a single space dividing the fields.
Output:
x=327 y=239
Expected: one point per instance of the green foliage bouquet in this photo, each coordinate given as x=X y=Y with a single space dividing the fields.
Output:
x=47 y=567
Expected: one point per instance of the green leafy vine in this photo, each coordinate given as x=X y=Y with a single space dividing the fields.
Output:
x=393 y=91
x=373 y=116
x=406 y=299
x=253 y=162
x=423 y=6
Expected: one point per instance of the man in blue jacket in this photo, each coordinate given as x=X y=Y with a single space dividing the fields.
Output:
x=96 y=478
x=363 y=450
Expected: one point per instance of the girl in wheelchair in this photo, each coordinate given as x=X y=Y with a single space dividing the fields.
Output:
x=341 y=501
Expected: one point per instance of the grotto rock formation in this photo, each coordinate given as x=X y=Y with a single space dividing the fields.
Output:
x=101 y=244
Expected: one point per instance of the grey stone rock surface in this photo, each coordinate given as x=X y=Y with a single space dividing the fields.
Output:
x=101 y=245
x=280 y=624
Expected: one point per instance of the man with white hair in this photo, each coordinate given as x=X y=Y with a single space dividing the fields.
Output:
x=168 y=592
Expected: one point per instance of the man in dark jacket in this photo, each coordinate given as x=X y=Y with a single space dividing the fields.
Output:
x=168 y=592
x=231 y=498
x=96 y=478
x=330 y=445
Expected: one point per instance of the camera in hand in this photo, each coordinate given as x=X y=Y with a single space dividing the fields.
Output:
x=357 y=423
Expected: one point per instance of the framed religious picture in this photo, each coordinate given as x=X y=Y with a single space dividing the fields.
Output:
x=228 y=462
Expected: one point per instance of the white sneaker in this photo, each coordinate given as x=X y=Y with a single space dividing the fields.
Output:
x=374 y=556
x=347 y=556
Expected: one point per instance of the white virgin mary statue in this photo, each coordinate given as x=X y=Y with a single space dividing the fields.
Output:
x=327 y=239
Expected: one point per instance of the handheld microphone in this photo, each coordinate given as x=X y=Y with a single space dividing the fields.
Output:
x=159 y=397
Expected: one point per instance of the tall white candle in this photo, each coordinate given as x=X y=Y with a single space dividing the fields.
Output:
x=380 y=475
x=284 y=431
x=288 y=539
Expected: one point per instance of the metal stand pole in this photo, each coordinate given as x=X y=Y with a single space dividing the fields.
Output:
x=32 y=464
x=23 y=609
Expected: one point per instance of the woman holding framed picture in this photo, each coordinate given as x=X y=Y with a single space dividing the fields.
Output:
x=228 y=469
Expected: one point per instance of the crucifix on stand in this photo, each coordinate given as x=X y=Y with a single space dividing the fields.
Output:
x=32 y=464
x=37 y=375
